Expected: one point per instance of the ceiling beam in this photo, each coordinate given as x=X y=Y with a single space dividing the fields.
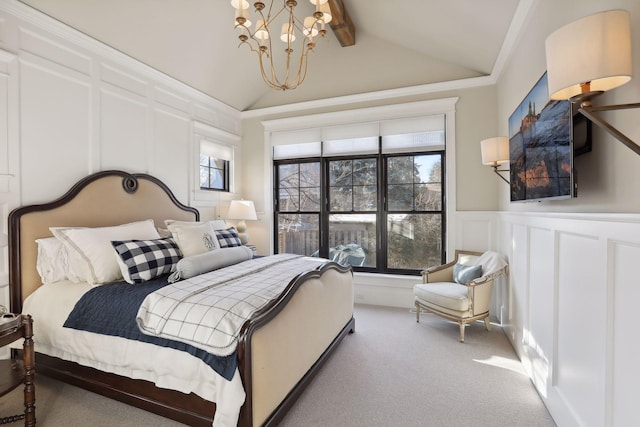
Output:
x=341 y=24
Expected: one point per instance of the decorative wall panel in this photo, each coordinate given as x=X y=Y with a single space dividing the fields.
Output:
x=172 y=151
x=123 y=131
x=41 y=45
x=624 y=368
x=581 y=331
x=539 y=337
x=574 y=326
x=55 y=128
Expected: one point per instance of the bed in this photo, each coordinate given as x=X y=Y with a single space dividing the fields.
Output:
x=279 y=350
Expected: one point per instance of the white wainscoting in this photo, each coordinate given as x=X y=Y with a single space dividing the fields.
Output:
x=568 y=305
x=71 y=106
x=573 y=289
x=82 y=107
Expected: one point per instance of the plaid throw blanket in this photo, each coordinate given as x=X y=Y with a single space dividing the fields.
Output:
x=208 y=311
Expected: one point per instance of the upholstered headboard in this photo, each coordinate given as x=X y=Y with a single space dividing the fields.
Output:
x=102 y=199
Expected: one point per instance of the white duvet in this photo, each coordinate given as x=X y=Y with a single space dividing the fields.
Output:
x=50 y=306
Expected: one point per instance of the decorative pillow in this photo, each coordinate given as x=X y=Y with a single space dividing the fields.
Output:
x=198 y=264
x=193 y=238
x=52 y=261
x=228 y=238
x=142 y=260
x=464 y=274
x=90 y=251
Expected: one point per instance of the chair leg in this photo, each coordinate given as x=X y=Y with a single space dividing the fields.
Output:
x=417 y=313
x=487 y=323
x=462 y=326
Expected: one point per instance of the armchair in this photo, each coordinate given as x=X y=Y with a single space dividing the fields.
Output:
x=460 y=290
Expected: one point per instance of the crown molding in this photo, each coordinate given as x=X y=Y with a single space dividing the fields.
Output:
x=419 y=108
x=372 y=96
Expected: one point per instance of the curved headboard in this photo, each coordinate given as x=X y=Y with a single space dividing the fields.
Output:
x=103 y=199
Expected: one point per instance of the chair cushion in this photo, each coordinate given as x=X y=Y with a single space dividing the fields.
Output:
x=445 y=294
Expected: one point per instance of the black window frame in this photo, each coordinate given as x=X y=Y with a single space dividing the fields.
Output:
x=381 y=211
x=225 y=173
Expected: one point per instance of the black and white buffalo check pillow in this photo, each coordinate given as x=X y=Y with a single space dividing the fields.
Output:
x=142 y=260
x=228 y=238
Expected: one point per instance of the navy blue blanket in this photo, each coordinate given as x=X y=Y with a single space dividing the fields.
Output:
x=111 y=310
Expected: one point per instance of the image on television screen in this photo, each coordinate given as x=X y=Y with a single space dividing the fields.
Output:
x=540 y=147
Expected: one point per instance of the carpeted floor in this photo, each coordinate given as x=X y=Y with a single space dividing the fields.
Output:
x=391 y=372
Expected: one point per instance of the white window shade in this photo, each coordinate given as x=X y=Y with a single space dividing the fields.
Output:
x=343 y=147
x=351 y=131
x=413 y=134
x=423 y=141
x=296 y=136
x=297 y=144
x=413 y=125
x=297 y=151
x=215 y=150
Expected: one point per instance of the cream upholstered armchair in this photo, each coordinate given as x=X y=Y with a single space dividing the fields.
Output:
x=460 y=290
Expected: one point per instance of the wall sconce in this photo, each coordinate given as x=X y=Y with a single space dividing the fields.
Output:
x=495 y=152
x=588 y=57
x=242 y=210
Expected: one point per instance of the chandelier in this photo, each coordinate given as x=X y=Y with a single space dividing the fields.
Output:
x=274 y=18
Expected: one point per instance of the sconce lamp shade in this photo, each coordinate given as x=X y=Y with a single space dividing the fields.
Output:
x=242 y=209
x=592 y=54
x=495 y=151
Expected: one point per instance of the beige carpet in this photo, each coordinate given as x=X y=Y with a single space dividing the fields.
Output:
x=391 y=372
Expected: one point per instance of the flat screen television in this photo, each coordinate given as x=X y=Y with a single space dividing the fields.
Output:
x=544 y=137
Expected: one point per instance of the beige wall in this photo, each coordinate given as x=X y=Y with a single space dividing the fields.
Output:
x=476 y=185
x=609 y=176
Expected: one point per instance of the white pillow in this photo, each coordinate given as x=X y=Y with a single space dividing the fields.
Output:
x=218 y=224
x=90 y=250
x=52 y=261
x=193 y=238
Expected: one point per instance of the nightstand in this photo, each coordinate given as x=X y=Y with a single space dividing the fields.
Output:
x=13 y=372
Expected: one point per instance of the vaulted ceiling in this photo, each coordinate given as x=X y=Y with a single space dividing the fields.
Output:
x=398 y=44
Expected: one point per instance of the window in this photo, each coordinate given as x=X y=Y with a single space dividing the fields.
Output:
x=401 y=151
x=298 y=215
x=415 y=215
x=215 y=165
x=214 y=173
x=379 y=212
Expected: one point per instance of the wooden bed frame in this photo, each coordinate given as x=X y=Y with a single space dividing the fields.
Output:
x=273 y=376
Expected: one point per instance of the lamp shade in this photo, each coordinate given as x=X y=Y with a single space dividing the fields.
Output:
x=495 y=151
x=242 y=209
x=326 y=13
x=595 y=49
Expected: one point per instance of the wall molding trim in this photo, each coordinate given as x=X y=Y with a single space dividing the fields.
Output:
x=77 y=38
